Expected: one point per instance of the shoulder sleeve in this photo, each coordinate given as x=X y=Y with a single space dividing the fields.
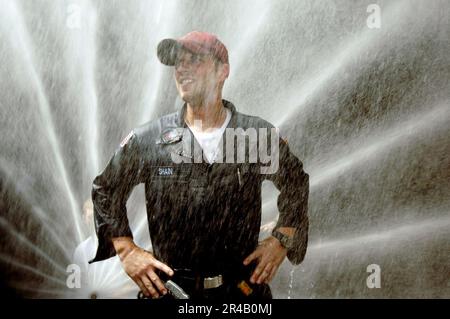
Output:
x=110 y=192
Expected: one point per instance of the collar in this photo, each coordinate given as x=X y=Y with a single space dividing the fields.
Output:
x=227 y=104
x=173 y=127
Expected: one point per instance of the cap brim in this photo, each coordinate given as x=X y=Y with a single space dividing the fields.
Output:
x=167 y=51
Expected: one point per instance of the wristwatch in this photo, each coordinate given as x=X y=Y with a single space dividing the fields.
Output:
x=285 y=240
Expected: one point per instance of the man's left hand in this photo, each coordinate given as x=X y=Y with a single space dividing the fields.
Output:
x=269 y=254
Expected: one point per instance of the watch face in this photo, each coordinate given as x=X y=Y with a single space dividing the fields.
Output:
x=285 y=240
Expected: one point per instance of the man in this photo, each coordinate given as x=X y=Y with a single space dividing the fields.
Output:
x=204 y=213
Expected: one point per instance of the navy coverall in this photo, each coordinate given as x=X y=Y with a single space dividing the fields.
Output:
x=202 y=217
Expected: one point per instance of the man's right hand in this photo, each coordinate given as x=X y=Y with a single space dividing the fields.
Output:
x=141 y=266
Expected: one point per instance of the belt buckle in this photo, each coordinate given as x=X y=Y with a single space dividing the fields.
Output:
x=212 y=282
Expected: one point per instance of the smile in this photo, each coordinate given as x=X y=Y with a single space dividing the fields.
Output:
x=186 y=81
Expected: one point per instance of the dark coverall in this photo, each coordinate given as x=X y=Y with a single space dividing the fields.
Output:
x=203 y=218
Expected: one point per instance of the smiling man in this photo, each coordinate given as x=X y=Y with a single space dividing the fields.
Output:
x=204 y=210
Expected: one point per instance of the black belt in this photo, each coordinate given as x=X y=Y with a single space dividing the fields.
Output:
x=194 y=284
x=197 y=281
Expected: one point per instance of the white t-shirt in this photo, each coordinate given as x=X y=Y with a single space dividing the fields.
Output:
x=209 y=141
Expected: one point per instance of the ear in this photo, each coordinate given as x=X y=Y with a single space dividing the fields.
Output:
x=225 y=71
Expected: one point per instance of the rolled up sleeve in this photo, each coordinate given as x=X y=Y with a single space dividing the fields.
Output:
x=293 y=183
x=110 y=192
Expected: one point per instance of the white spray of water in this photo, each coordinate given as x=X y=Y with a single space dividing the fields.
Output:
x=10 y=13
